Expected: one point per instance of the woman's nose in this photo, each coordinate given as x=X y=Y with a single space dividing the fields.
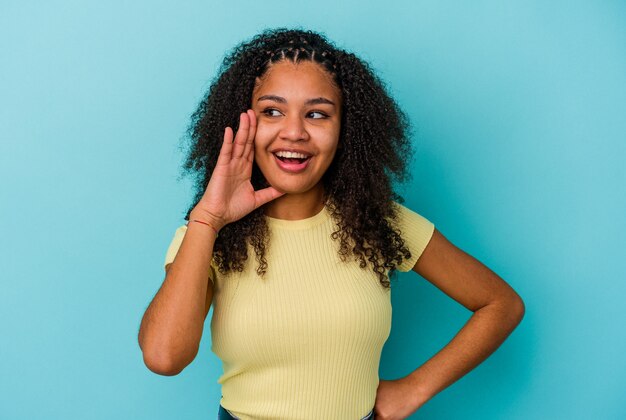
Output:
x=294 y=129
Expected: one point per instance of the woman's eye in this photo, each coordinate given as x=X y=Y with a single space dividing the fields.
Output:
x=272 y=112
x=317 y=115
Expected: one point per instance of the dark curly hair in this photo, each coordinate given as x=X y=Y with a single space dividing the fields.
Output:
x=373 y=150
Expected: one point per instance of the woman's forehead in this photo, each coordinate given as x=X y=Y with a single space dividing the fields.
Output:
x=303 y=77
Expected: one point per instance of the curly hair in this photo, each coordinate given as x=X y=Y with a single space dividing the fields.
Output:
x=373 y=149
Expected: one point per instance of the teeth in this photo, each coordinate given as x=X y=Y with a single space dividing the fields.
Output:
x=285 y=154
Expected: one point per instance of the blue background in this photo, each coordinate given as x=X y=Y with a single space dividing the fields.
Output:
x=519 y=114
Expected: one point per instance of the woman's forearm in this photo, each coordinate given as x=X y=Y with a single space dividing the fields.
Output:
x=483 y=333
x=172 y=326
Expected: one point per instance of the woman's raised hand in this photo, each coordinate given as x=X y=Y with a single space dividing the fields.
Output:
x=230 y=195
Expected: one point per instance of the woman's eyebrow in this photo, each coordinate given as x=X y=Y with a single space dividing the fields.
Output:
x=280 y=99
x=320 y=100
x=274 y=98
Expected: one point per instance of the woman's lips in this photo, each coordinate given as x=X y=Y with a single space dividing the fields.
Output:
x=292 y=167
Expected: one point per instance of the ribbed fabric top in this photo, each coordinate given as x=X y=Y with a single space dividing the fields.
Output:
x=303 y=342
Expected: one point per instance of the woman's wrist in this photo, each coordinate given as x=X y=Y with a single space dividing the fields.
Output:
x=421 y=392
x=206 y=219
x=204 y=223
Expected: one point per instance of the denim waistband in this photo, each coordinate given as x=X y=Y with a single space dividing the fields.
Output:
x=224 y=414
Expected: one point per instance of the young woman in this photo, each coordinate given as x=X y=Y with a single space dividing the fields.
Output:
x=293 y=235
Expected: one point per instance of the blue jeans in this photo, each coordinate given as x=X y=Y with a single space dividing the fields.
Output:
x=224 y=414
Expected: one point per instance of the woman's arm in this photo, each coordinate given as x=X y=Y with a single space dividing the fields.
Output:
x=497 y=311
x=172 y=326
x=497 y=308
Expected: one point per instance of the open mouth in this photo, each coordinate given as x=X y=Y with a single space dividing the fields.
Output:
x=292 y=161
x=292 y=157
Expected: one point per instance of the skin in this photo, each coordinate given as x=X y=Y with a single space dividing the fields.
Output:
x=286 y=113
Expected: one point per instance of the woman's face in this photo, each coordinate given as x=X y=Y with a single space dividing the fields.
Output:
x=298 y=109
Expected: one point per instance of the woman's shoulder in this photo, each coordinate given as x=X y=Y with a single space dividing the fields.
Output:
x=415 y=230
x=405 y=214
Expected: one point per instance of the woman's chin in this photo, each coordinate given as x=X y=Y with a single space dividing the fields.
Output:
x=288 y=190
x=293 y=189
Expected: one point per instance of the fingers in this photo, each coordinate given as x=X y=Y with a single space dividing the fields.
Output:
x=242 y=145
x=227 y=147
x=241 y=138
x=265 y=196
x=251 y=133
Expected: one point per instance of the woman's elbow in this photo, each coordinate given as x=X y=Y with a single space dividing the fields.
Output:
x=515 y=308
x=164 y=362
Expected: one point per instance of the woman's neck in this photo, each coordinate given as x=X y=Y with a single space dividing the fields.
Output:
x=296 y=206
